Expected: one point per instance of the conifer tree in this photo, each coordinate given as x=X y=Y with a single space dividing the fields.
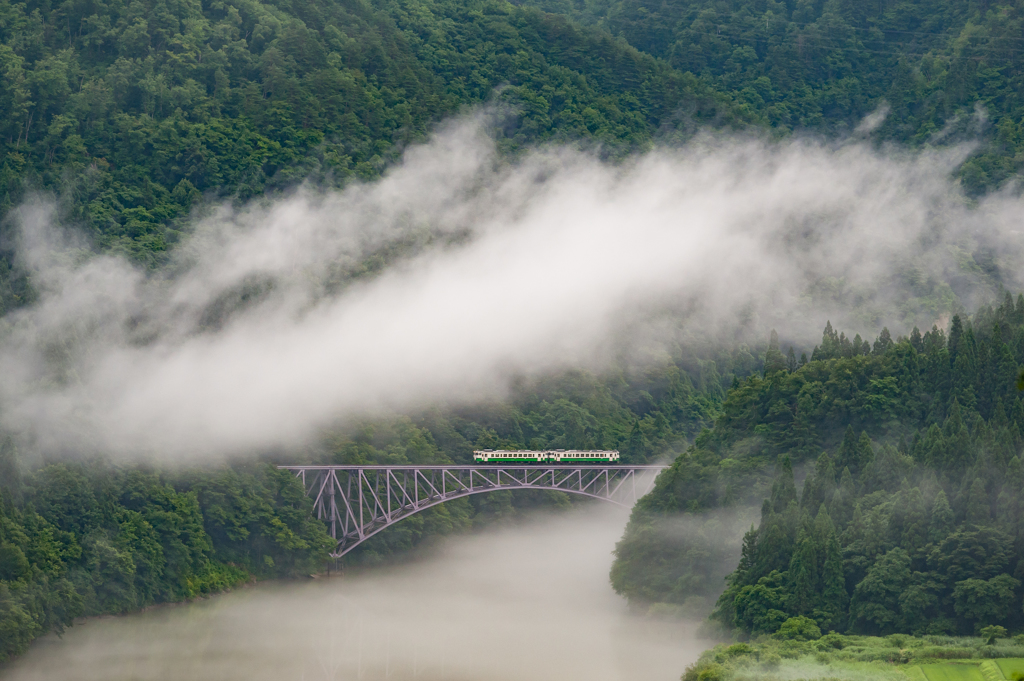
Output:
x=803 y=574
x=956 y=332
x=748 y=552
x=865 y=452
x=845 y=346
x=774 y=547
x=915 y=523
x=916 y=341
x=784 y=488
x=858 y=344
x=829 y=348
x=941 y=522
x=846 y=457
x=842 y=507
x=834 y=599
x=773 y=359
x=976 y=506
x=820 y=485
x=883 y=343
x=1008 y=512
x=963 y=377
x=636 y=445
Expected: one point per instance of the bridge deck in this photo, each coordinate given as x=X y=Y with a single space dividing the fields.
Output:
x=359 y=501
x=478 y=467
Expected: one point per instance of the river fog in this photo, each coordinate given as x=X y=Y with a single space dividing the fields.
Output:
x=529 y=602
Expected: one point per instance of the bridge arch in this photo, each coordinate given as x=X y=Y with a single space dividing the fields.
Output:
x=358 y=502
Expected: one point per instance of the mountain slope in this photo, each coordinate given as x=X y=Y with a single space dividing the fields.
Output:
x=823 y=65
x=916 y=443
x=130 y=112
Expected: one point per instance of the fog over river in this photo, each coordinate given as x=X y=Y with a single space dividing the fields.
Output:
x=525 y=603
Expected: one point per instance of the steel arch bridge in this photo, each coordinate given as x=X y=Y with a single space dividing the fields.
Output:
x=360 y=501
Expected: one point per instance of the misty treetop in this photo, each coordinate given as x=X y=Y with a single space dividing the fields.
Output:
x=910 y=517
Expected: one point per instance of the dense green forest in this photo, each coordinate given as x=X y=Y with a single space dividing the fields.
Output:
x=88 y=539
x=822 y=65
x=132 y=112
x=909 y=518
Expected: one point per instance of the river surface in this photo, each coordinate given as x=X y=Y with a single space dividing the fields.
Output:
x=525 y=603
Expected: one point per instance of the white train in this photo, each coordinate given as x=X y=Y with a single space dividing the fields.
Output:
x=546 y=456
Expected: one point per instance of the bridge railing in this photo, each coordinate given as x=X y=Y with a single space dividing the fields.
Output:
x=357 y=502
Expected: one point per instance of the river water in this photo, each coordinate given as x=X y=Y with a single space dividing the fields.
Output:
x=530 y=602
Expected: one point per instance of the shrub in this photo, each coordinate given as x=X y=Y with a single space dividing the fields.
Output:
x=799 y=629
x=771 y=660
x=791 y=650
x=711 y=672
x=832 y=641
x=899 y=640
x=735 y=650
x=703 y=670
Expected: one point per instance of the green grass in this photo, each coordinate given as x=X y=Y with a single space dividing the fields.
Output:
x=1010 y=666
x=861 y=658
x=952 y=672
x=990 y=670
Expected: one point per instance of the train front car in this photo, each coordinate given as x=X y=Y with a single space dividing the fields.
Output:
x=562 y=456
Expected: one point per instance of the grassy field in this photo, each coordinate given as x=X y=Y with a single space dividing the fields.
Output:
x=1010 y=667
x=952 y=672
x=863 y=658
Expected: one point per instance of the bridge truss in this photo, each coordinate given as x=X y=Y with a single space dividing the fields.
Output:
x=357 y=502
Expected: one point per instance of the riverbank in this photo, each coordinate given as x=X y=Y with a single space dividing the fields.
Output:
x=835 y=657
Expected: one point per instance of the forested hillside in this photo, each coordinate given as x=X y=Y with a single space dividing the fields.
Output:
x=131 y=112
x=88 y=539
x=910 y=518
x=945 y=70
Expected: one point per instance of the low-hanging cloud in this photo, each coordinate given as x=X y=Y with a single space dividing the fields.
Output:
x=262 y=330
